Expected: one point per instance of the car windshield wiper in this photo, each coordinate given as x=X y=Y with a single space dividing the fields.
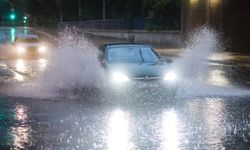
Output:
x=141 y=58
x=154 y=62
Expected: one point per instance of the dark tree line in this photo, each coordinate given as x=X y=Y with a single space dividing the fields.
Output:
x=157 y=13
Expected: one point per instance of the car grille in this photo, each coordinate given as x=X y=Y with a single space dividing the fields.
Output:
x=32 y=49
x=146 y=78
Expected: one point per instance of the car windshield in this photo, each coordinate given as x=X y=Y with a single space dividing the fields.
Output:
x=27 y=40
x=124 y=54
x=132 y=54
x=149 y=55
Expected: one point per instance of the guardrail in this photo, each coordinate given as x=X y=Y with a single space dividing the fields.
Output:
x=118 y=24
x=109 y=24
x=122 y=24
x=8 y=24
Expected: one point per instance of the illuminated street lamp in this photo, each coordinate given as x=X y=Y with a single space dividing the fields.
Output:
x=214 y=2
x=193 y=2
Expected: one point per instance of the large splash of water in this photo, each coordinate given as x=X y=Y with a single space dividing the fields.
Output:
x=202 y=43
x=72 y=64
x=194 y=69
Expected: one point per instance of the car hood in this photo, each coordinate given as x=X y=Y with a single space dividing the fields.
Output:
x=139 y=69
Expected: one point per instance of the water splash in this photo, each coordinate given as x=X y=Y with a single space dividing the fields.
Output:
x=72 y=65
x=202 y=43
x=194 y=69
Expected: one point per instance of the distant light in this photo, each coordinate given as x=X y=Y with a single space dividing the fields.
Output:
x=12 y=16
x=214 y=2
x=193 y=1
x=25 y=17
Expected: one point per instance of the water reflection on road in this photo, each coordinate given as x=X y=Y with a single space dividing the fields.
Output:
x=21 y=132
x=170 y=130
x=217 y=77
x=196 y=123
x=21 y=66
x=119 y=134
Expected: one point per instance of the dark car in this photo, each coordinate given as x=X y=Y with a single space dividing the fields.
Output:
x=136 y=67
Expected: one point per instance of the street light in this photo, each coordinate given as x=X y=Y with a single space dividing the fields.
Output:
x=25 y=19
x=193 y=2
x=12 y=16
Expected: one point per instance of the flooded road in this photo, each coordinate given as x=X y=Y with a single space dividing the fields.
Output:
x=192 y=123
x=211 y=115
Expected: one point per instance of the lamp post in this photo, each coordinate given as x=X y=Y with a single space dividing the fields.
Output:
x=103 y=9
x=80 y=10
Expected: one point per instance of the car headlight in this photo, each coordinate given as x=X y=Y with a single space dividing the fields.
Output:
x=42 y=49
x=170 y=76
x=118 y=77
x=21 y=49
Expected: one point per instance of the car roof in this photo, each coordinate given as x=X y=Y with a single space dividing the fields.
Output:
x=27 y=36
x=112 y=45
x=125 y=44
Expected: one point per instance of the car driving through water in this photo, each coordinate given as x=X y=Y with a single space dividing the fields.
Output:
x=29 y=46
x=137 y=67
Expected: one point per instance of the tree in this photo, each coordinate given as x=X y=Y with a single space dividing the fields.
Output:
x=162 y=14
x=60 y=6
x=41 y=12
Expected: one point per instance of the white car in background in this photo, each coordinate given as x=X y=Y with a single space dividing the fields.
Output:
x=29 y=46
